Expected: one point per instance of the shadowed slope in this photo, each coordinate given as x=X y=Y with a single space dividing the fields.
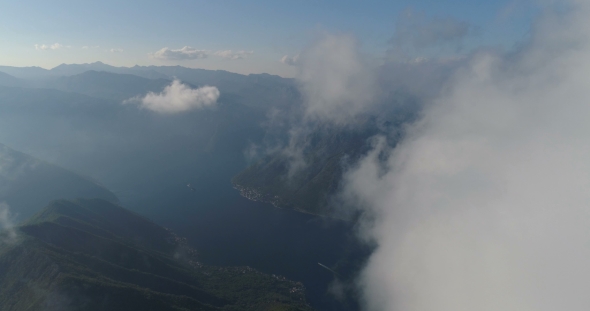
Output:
x=94 y=255
x=27 y=184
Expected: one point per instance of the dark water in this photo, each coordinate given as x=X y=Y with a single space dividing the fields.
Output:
x=227 y=229
x=273 y=241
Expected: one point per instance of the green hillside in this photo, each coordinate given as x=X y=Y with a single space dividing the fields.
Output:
x=95 y=255
x=27 y=184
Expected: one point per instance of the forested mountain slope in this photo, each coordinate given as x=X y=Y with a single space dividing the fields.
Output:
x=95 y=255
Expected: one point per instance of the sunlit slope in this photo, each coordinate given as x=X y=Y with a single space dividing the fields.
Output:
x=94 y=255
x=28 y=184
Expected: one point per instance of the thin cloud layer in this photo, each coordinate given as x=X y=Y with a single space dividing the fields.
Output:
x=484 y=205
x=290 y=60
x=55 y=46
x=336 y=82
x=185 y=53
x=176 y=98
x=414 y=30
x=189 y=53
x=233 y=55
x=8 y=234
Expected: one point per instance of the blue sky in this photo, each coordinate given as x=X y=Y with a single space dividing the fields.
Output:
x=125 y=33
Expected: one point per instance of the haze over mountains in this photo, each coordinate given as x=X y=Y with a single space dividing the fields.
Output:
x=255 y=89
x=100 y=123
x=92 y=123
x=251 y=122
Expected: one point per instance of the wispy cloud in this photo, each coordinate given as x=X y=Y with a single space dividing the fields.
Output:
x=232 y=55
x=88 y=47
x=55 y=46
x=336 y=82
x=7 y=232
x=336 y=85
x=116 y=50
x=177 y=97
x=290 y=60
x=189 y=53
x=340 y=87
x=185 y=53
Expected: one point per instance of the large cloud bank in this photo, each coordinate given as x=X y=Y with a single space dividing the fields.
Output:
x=178 y=97
x=485 y=205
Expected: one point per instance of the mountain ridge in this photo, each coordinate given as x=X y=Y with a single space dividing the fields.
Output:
x=22 y=175
x=74 y=267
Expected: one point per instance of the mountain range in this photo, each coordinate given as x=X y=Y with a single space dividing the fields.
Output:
x=244 y=108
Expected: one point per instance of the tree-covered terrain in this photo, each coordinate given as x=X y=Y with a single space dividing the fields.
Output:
x=307 y=175
x=90 y=254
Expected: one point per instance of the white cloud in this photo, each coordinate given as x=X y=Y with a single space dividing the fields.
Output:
x=88 y=47
x=336 y=85
x=55 y=46
x=290 y=60
x=116 y=50
x=336 y=82
x=484 y=205
x=233 y=55
x=178 y=97
x=185 y=53
x=7 y=232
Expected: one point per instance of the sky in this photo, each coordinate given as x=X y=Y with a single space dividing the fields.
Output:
x=238 y=36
